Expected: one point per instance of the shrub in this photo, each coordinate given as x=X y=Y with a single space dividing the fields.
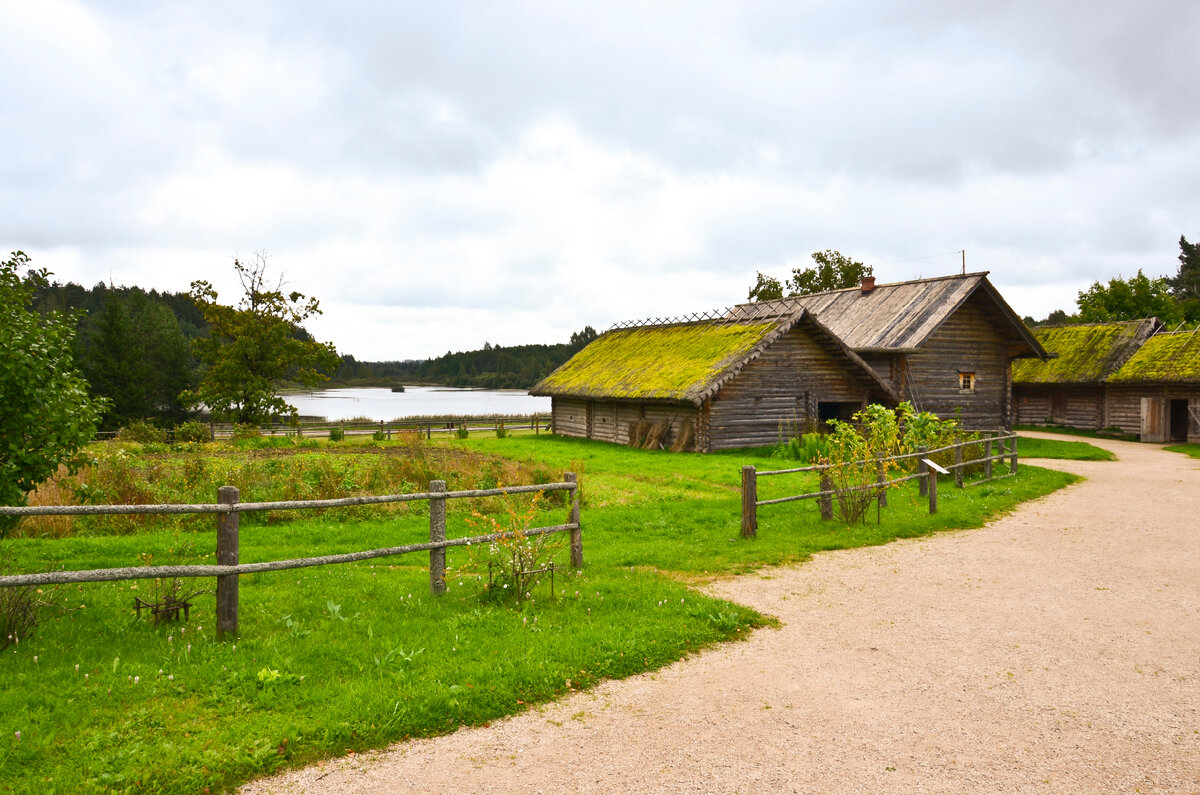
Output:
x=19 y=609
x=246 y=430
x=460 y=432
x=379 y=436
x=193 y=432
x=337 y=434
x=142 y=432
x=515 y=564
x=501 y=432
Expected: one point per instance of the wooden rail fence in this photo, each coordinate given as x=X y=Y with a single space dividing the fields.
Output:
x=924 y=474
x=426 y=426
x=228 y=508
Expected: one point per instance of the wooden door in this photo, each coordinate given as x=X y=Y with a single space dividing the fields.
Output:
x=1154 y=419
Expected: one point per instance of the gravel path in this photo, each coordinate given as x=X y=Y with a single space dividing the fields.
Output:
x=1055 y=650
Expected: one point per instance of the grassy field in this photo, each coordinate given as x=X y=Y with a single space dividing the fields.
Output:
x=1104 y=433
x=1054 y=448
x=357 y=656
x=1187 y=449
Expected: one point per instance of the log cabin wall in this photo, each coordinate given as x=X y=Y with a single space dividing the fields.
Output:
x=779 y=392
x=1075 y=406
x=1124 y=406
x=966 y=343
x=568 y=416
x=609 y=420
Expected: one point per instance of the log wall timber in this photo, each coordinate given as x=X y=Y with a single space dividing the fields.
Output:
x=1075 y=406
x=1124 y=406
x=780 y=391
x=568 y=416
x=966 y=343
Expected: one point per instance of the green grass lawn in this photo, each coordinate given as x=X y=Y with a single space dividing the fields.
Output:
x=1187 y=449
x=1028 y=447
x=357 y=656
x=1103 y=433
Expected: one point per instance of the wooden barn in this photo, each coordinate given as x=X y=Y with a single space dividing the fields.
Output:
x=1071 y=389
x=760 y=371
x=1156 y=394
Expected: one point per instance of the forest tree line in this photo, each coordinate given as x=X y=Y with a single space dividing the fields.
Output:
x=135 y=348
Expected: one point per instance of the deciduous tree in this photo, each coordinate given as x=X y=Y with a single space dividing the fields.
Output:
x=46 y=413
x=252 y=346
x=833 y=271
x=1129 y=299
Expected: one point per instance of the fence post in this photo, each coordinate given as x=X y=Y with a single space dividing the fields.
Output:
x=958 y=473
x=577 y=533
x=227 y=555
x=1013 y=449
x=923 y=470
x=931 y=476
x=536 y=425
x=825 y=502
x=880 y=478
x=437 y=532
x=429 y=430
x=212 y=431
x=749 y=502
x=987 y=455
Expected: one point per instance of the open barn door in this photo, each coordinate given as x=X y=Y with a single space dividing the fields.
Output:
x=1154 y=419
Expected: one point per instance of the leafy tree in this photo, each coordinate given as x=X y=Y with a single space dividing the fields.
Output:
x=255 y=344
x=1129 y=299
x=46 y=414
x=833 y=271
x=766 y=288
x=134 y=354
x=581 y=339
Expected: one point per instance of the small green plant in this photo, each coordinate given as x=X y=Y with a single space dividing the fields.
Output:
x=337 y=434
x=517 y=561
x=501 y=431
x=192 y=432
x=246 y=430
x=807 y=448
x=142 y=432
x=379 y=436
x=19 y=611
x=461 y=432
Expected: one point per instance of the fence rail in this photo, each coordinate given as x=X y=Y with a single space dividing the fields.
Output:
x=924 y=474
x=428 y=426
x=228 y=568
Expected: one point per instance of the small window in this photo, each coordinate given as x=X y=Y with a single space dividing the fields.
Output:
x=966 y=382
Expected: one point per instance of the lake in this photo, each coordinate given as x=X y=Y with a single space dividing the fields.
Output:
x=415 y=401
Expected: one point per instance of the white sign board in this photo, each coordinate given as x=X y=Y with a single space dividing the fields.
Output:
x=935 y=467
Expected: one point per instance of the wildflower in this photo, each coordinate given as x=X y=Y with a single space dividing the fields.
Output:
x=18 y=733
x=160 y=672
x=76 y=667
x=136 y=679
x=85 y=676
x=171 y=677
x=35 y=658
x=170 y=638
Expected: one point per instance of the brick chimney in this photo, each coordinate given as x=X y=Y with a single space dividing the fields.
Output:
x=868 y=284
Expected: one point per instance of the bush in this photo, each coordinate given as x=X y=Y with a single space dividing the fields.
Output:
x=501 y=431
x=461 y=432
x=193 y=432
x=337 y=434
x=19 y=608
x=142 y=432
x=246 y=430
x=379 y=436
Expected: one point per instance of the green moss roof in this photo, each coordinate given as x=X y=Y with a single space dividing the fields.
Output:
x=656 y=362
x=1086 y=353
x=1165 y=358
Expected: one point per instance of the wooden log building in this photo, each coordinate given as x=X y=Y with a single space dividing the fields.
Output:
x=1131 y=376
x=759 y=372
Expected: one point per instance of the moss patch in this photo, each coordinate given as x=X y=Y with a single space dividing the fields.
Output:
x=1086 y=353
x=1170 y=358
x=658 y=362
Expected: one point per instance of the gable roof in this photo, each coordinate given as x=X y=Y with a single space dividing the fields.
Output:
x=680 y=361
x=899 y=317
x=1086 y=353
x=1170 y=358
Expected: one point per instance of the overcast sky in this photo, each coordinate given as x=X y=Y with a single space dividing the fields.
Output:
x=444 y=174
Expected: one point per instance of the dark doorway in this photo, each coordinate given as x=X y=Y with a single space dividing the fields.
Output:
x=1179 y=420
x=837 y=410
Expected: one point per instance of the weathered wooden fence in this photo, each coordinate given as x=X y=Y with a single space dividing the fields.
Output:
x=227 y=508
x=926 y=475
x=426 y=426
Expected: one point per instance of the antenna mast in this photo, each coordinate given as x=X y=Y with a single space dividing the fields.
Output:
x=964 y=253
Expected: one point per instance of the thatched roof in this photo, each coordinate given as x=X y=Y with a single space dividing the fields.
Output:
x=1172 y=358
x=680 y=361
x=900 y=317
x=1085 y=353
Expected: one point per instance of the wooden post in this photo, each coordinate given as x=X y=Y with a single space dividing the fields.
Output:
x=537 y=426
x=227 y=555
x=958 y=472
x=987 y=455
x=825 y=503
x=1013 y=449
x=389 y=432
x=931 y=476
x=212 y=431
x=577 y=533
x=749 y=502
x=880 y=477
x=429 y=430
x=437 y=532
x=923 y=470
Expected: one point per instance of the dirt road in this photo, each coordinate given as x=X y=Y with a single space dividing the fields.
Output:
x=1056 y=650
